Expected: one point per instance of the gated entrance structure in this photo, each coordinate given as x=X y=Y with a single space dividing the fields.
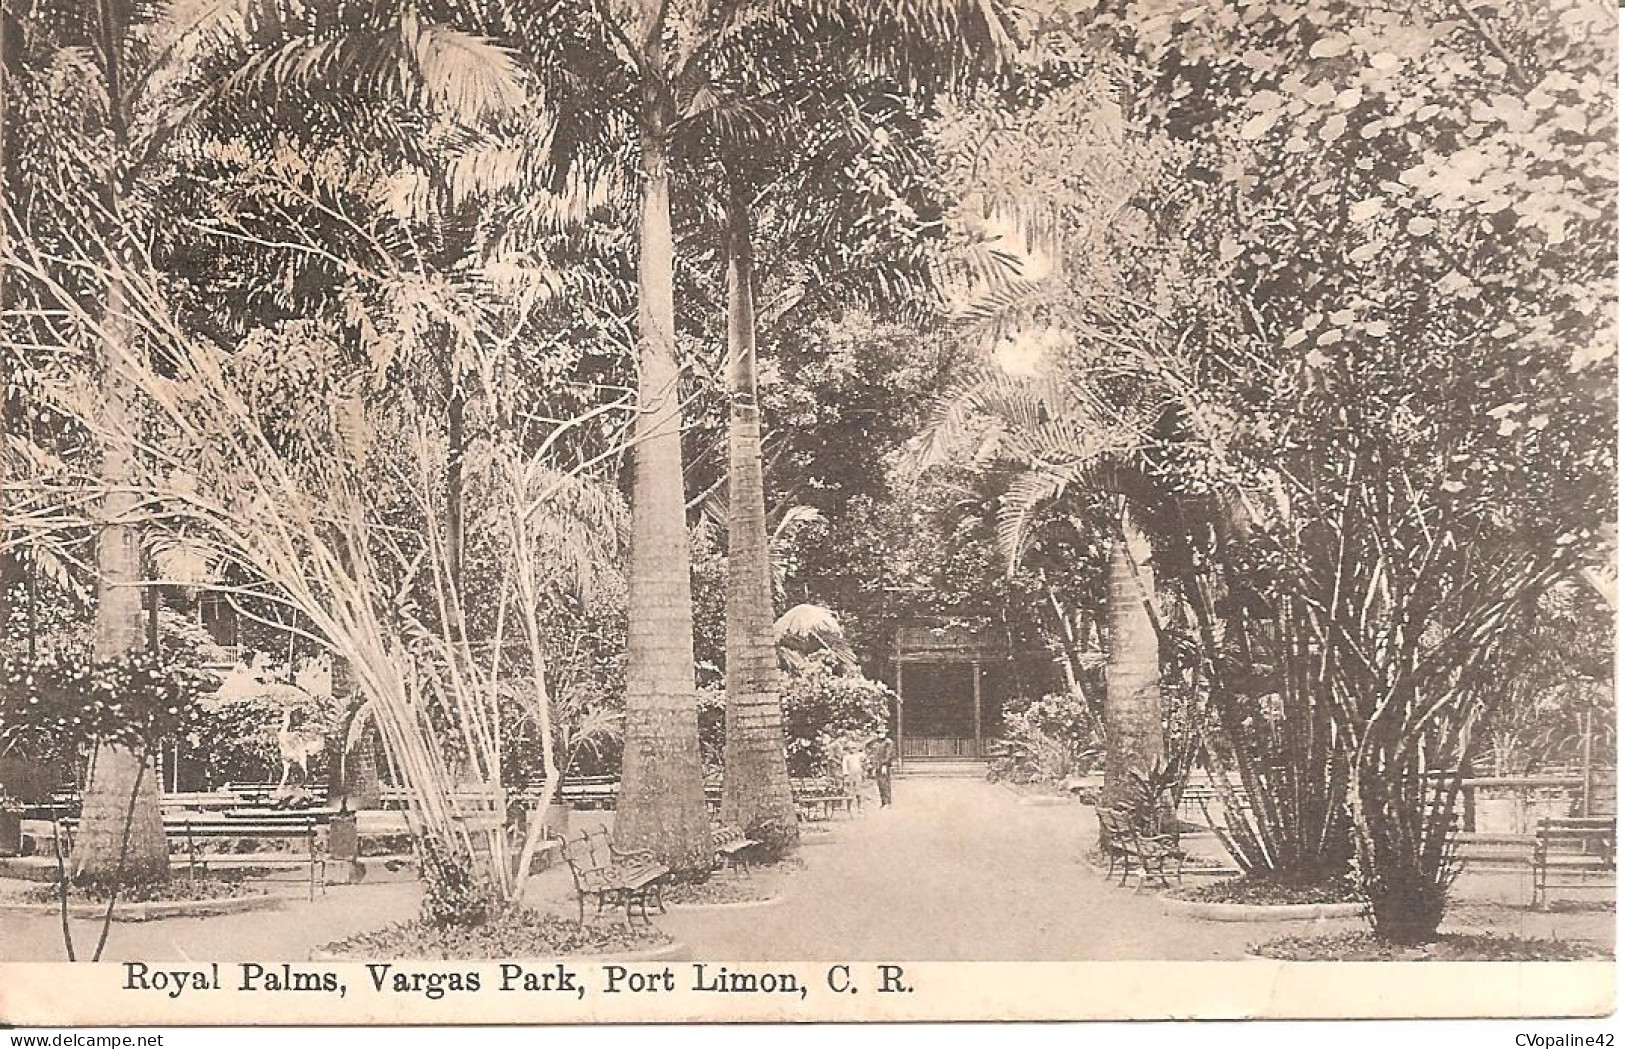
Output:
x=952 y=683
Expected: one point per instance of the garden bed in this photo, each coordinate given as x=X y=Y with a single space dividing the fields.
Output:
x=518 y=934
x=786 y=863
x=1259 y=893
x=1461 y=947
x=175 y=890
x=1256 y=900
x=149 y=901
x=1200 y=866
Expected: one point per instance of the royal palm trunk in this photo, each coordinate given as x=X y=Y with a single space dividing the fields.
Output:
x=1133 y=708
x=121 y=812
x=756 y=778
x=662 y=799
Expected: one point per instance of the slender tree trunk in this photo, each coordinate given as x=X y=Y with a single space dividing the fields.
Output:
x=1133 y=709
x=456 y=406
x=1073 y=670
x=115 y=772
x=662 y=799
x=756 y=779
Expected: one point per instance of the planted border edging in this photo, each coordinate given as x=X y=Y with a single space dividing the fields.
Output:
x=666 y=952
x=1263 y=912
x=154 y=910
x=776 y=898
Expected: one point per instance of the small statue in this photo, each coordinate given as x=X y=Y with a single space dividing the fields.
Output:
x=297 y=747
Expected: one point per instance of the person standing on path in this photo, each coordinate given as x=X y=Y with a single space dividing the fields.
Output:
x=882 y=753
x=852 y=772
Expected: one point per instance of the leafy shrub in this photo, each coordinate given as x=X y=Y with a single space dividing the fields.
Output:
x=825 y=711
x=1145 y=800
x=235 y=741
x=713 y=705
x=1047 y=740
x=454 y=896
x=66 y=696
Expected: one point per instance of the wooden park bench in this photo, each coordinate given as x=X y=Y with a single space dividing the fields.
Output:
x=1493 y=850
x=821 y=799
x=62 y=804
x=1116 y=842
x=251 y=793
x=1570 y=851
x=612 y=877
x=732 y=847
x=591 y=792
x=241 y=826
x=1147 y=855
x=200 y=801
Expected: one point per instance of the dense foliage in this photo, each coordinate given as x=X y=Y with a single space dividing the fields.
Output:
x=1049 y=739
x=63 y=700
x=1255 y=360
x=827 y=710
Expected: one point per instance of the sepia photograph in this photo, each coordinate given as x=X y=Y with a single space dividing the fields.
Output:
x=663 y=511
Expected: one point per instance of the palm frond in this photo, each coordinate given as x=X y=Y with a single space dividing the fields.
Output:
x=1028 y=494
x=462 y=74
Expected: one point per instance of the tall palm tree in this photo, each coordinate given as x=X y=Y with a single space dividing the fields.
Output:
x=1069 y=442
x=138 y=57
x=662 y=799
x=681 y=67
x=756 y=776
x=789 y=111
x=1133 y=710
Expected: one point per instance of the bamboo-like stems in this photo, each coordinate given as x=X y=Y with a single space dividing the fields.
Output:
x=326 y=539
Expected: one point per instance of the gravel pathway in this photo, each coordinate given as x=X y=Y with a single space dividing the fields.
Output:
x=958 y=870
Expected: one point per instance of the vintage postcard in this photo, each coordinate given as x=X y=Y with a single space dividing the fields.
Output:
x=606 y=511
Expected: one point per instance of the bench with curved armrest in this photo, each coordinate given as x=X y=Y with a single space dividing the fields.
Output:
x=613 y=877
x=732 y=846
x=1147 y=855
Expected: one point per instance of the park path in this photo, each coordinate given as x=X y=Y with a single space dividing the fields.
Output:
x=958 y=869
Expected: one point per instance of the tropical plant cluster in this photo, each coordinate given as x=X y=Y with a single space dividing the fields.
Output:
x=1254 y=360
x=1309 y=362
x=1048 y=739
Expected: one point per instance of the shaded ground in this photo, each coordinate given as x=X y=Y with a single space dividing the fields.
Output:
x=958 y=869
